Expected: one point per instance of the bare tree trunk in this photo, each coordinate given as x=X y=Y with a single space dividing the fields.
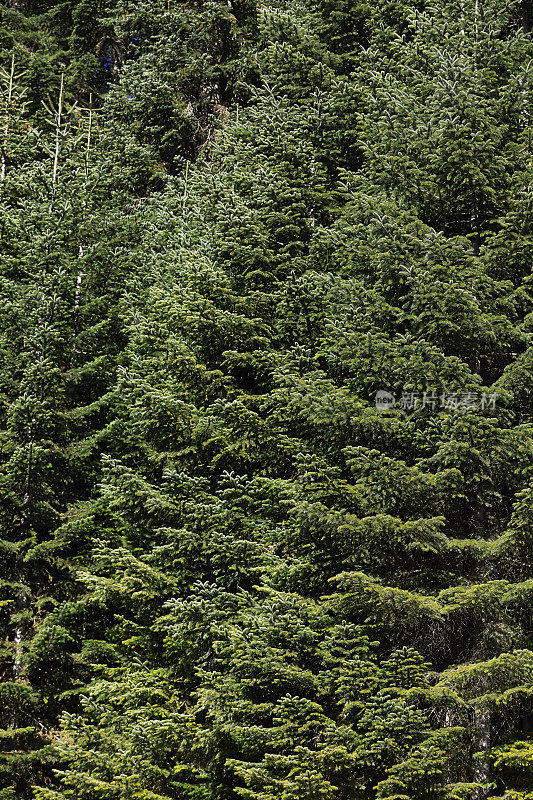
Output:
x=22 y=602
x=6 y=127
x=79 y=279
x=89 y=135
x=482 y=744
x=58 y=131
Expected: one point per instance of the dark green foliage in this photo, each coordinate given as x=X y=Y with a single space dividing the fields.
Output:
x=224 y=572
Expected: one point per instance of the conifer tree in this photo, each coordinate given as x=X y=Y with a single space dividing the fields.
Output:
x=228 y=572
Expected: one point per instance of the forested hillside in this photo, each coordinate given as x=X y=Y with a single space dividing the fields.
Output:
x=266 y=395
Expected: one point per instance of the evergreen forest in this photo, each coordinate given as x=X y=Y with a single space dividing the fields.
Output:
x=266 y=400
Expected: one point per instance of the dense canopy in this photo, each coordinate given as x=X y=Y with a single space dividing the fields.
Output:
x=266 y=405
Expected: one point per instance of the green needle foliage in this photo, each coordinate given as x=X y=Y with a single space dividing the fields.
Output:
x=225 y=571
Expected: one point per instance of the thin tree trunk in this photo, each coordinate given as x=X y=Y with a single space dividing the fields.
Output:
x=89 y=135
x=78 y=281
x=6 y=128
x=482 y=745
x=22 y=602
x=58 y=132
